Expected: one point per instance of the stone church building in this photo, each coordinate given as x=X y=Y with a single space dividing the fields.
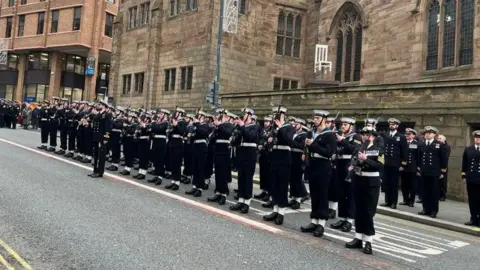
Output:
x=416 y=60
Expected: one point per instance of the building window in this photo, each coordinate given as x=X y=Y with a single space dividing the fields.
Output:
x=109 y=25
x=174 y=7
x=7 y=91
x=455 y=48
x=132 y=17
x=289 y=32
x=139 y=82
x=170 y=79
x=191 y=5
x=77 y=18
x=127 y=84
x=73 y=63
x=38 y=61
x=72 y=93
x=40 y=22
x=8 y=29
x=144 y=13
x=12 y=61
x=37 y=91
x=186 y=78
x=23 y=2
x=21 y=25
x=11 y=3
x=54 y=27
x=349 y=46
x=242 y=9
x=284 y=84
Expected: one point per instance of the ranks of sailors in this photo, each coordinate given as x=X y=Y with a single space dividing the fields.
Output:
x=9 y=111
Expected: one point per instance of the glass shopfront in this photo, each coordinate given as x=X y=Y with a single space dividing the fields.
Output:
x=36 y=92
x=7 y=91
x=72 y=93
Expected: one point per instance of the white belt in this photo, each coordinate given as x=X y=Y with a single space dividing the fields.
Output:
x=282 y=147
x=144 y=137
x=315 y=155
x=368 y=174
x=160 y=136
x=52 y=117
x=248 y=144
x=200 y=141
x=345 y=157
x=70 y=120
x=297 y=150
x=222 y=141
x=44 y=119
x=177 y=136
x=116 y=130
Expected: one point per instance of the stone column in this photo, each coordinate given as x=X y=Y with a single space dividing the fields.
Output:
x=55 y=74
x=22 y=66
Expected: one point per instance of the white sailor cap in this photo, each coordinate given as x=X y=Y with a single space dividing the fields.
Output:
x=132 y=114
x=254 y=117
x=267 y=118
x=321 y=113
x=64 y=99
x=299 y=120
x=368 y=130
x=430 y=129
x=208 y=115
x=476 y=133
x=372 y=121
x=202 y=113
x=280 y=109
x=165 y=111
x=249 y=111
x=394 y=120
x=304 y=128
x=190 y=116
x=331 y=119
x=180 y=110
x=411 y=130
x=291 y=118
x=55 y=98
x=220 y=110
x=348 y=120
x=232 y=115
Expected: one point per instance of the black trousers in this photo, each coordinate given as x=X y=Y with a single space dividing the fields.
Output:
x=128 y=150
x=223 y=173
x=44 y=131
x=280 y=172
x=390 y=177
x=168 y=164
x=115 y=146
x=80 y=143
x=63 y=137
x=333 y=185
x=188 y=159
x=143 y=153
x=176 y=158
x=346 y=202
x=431 y=194
x=366 y=199
x=14 y=121
x=319 y=172
x=72 y=137
x=2 y=120
x=264 y=164
x=246 y=163
x=8 y=121
x=199 y=160
x=99 y=152
x=88 y=141
x=297 y=188
x=159 y=150
x=408 y=186
x=444 y=185
x=53 y=132
x=473 y=191
x=210 y=160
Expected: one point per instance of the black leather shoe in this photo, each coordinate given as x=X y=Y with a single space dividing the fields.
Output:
x=309 y=228
x=346 y=227
x=159 y=181
x=279 y=220
x=79 y=158
x=96 y=175
x=175 y=187
x=270 y=217
x=236 y=197
x=236 y=207
x=60 y=152
x=319 y=231
x=90 y=175
x=222 y=200
x=423 y=213
x=332 y=214
x=111 y=168
x=86 y=160
x=125 y=172
x=170 y=186
x=442 y=199
x=419 y=201
x=403 y=203
x=188 y=192
x=393 y=206
x=51 y=149
x=214 y=198
x=268 y=204
x=355 y=243
x=198 y=193
x=42 y=147
x=187 y=181
x=68 y=155
x=433 y=215
x=411 y=204
x=153 y=180
x=293 y=204
x=385 y=204
x=337 y=225
x=140 y=177
x=471 y=223
x=260 y=196
x=368 y=248
x=244 y=209
x=168 y=175
x=304 y=199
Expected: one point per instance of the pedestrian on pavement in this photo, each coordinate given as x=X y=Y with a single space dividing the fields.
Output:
x=471 y=177
x=444 y=180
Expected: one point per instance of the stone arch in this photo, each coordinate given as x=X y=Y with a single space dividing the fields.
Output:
x=349 y=4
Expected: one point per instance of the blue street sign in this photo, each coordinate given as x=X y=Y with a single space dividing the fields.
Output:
x=29 y=99
x=90 y=71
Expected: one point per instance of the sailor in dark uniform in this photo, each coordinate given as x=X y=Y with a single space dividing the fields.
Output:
x=102 y=126
x=143 y=136
x=115 y=141
x=72 y=123
x=471 y=177
x=366 y=183
x=297 y=187
x=264 y=163
x=245 y=141
x=409 y=173
x=321 y=148
x=44 y=124
x=434 y=160
x=396 y=154
x=62 y=126
x=53 y=125
x=129 y=146
x=159 y=147
x=187 y=173
x=175 y=147
x=333 y=192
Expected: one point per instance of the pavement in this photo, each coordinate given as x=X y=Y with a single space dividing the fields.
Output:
x=55 y=217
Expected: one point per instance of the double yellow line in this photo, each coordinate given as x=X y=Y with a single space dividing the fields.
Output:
x=15 y=255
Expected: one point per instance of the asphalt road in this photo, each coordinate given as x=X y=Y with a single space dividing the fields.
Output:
x=55 y=217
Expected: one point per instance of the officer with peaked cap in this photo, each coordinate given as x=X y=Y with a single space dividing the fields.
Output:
x=471 y=177
x=246 y=155
x=347 y=144
x=321 y=149
x=297 y=187
x=409 y=174
x=434 y=160
x=101 y=133
x=396 y=154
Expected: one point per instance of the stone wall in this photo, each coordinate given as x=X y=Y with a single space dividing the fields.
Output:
x=451 y=106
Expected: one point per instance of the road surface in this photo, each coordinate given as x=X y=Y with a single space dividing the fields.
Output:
x=52 y=216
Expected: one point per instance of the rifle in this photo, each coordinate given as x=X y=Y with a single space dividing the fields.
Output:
x=306 y=150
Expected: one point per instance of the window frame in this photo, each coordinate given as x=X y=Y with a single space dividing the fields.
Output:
x=77 y=19
x=127 y=84
x=21 y=25
x=54 y=23
x=108 y=31
x=296 y=36
x=279 y=84
x=8 y=27
x=37 y=57
x=137 y=88
x=40 y=23
x=170 y=79
x=186 y=78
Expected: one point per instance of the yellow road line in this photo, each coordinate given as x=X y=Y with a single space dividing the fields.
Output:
x=5 y=263
x=15 y=255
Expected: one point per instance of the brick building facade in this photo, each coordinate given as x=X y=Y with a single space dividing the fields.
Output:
x=48 y=44
x=417 y=60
